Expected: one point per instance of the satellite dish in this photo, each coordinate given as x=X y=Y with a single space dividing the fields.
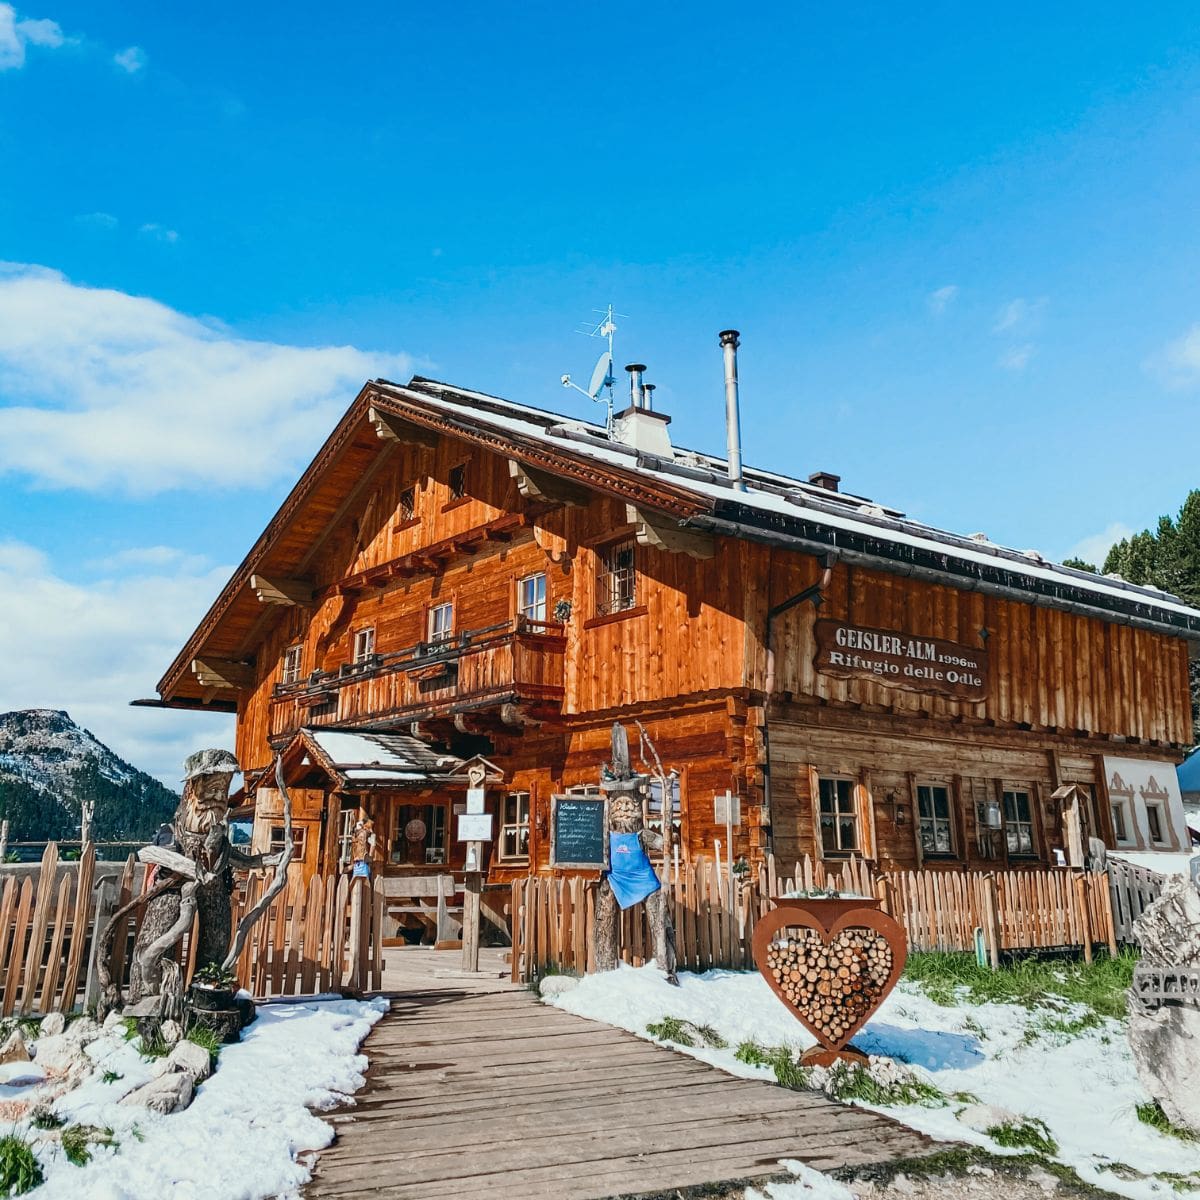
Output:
x=602 y=376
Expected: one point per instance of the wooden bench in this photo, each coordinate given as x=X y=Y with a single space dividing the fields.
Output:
x=430 y=898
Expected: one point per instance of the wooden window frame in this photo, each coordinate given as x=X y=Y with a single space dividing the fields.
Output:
x=1006 y=790
x=291 y=664
x=837 y=777
x=602 y=578
x=545 y=602
x=357 y=656
x=409 y=519
x=299 y=841
x=949 y=820
x=518 y=858
x=456 y=495
x=448 y=634
x=1124 y=829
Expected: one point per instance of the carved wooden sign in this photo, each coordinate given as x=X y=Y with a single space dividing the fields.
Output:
x=901 y=660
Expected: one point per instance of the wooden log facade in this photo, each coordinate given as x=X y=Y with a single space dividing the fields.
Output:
x=491 y=583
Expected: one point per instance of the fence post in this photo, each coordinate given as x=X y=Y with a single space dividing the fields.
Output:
x=354 y=968
x=1110 y=927
x=1085 y=917
x=3 y=839
x=991 y=920
x=104 y=911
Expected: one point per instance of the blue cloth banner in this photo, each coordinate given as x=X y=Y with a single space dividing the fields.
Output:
x=632 y=877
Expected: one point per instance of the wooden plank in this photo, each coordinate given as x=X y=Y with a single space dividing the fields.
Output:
x=81 y=927
x=54 y=962
x=14 y=974
x=43 y=906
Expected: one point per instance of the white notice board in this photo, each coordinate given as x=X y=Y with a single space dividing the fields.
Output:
x=475 y=827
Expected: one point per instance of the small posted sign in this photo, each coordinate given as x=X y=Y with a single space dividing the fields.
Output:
x=475 y=798
x=475 y=827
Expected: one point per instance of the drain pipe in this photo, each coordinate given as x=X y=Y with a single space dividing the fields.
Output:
x=814 y=593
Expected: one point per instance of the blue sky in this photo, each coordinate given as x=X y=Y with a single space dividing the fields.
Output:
x=960 y=245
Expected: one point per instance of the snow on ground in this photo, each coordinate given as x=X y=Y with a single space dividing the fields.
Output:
x=240 y=1138
x=807 y=1185
x=1083 y=1086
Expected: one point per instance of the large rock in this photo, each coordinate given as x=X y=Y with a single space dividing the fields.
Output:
x=1168 y=932
x=14 y=1049
x=52 y=1025
x=167 y=1094
x=1166 y=1048
x=187 y=1058
x=59 y=1054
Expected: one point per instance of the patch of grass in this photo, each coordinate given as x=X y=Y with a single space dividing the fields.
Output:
x=44 y=1118
x=78 y=1140
x=111 y=1077
x=203 y=1036
x=1032 y=983
x=685 y=1033
x=1029 y=1134
x=1151 y=1113
x=1178 y=1181
x=852 y=1081
x=20 y=1171
x=788 y=1072
x=131 y=1029
x=960 y=1160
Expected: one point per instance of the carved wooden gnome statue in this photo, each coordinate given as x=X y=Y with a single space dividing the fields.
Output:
x=631 y=878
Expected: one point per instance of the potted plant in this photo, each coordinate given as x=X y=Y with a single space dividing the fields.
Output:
x=214 y=988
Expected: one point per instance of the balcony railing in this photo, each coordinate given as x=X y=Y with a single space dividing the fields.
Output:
x=518 y=660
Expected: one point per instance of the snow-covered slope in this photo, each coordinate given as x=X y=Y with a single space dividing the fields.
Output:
x=49 y=765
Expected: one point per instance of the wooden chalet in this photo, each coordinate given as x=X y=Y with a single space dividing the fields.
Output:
x=456 y=577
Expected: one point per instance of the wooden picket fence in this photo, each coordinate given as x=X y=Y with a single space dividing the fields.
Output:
x=714 y=923
x=1131 y=891
x=323 y=937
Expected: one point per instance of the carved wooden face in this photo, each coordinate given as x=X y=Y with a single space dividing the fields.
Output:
x=625 y=814
x=206 y=799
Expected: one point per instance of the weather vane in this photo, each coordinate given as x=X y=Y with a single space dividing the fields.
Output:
x=602 y=375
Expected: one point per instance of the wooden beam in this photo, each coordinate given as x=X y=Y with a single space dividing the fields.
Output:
x=662 y=533
x=223 y=673
x=390 y=428
x=282 y=591
x=541 y=485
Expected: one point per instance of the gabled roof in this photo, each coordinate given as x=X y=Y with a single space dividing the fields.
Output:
x=692 y=488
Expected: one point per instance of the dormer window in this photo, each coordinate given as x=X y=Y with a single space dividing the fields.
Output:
x=364 y=644
x=458 y=482
x=293 y=662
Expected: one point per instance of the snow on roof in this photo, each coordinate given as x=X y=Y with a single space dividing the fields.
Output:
x=392 y=756
x=769 y=493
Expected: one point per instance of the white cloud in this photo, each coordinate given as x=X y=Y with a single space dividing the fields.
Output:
x=941 y=299
x=91 y=649
x=16 y=34
x=1016 y=358
x=104 y=391
x=1019 y=315
x=131 y=60
x=97 y=220
x=1178 y=363
x=159 y=233
x=1094 y=549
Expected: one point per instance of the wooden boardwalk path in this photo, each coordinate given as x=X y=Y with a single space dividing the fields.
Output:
x=475 y=1096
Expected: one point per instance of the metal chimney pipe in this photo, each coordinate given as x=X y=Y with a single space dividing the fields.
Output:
x=733 y=420
x=648 y=394
x=636 y=392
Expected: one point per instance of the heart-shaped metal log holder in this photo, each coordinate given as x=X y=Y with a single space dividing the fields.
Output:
x=833 y=963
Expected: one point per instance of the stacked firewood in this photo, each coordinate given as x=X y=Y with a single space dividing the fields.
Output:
x=832 y=984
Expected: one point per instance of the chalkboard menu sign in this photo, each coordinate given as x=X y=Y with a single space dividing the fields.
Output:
x=579 y=832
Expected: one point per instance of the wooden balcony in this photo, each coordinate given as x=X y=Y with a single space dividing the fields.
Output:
x=519 y=662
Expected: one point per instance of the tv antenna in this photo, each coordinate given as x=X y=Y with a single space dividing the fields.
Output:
x=603 y=378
